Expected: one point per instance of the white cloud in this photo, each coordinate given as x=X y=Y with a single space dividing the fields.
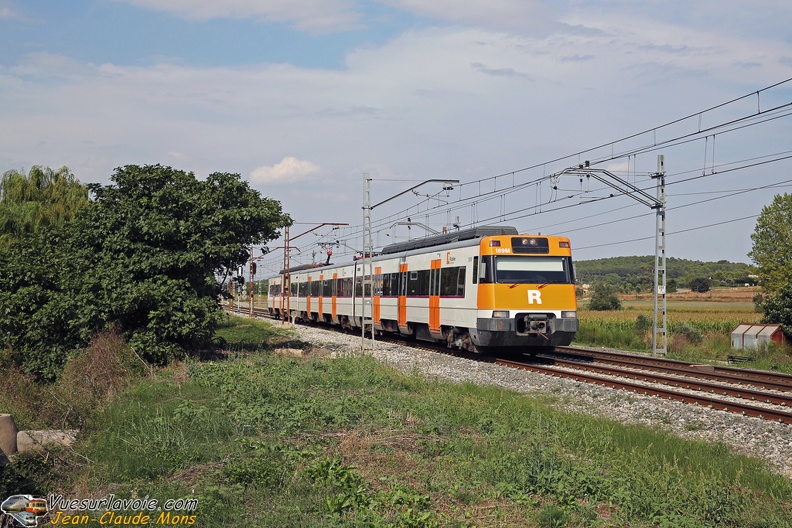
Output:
x=311 y=15
x=288 y=170
x=465 y=102
x=515 y=15
x=7 y=11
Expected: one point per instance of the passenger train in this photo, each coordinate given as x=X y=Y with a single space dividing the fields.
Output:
x=484 y=289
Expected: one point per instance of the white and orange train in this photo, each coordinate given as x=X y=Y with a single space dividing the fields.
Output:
x=483 y=289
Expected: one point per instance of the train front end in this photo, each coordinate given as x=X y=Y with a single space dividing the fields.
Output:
x=526 y=293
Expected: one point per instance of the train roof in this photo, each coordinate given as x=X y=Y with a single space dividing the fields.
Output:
x=303 y=267
x=449 y=237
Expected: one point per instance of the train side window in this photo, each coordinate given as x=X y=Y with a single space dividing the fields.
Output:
x=412 y=283
x=486 y=270
x=452 y=282
x=390 y=285
x=423 y=283
x=475 y=270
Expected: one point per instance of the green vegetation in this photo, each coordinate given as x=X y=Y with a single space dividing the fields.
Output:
x=772 y=243
x=604 y=298
x=40 y=199
x=699 y=326
x=777 y=308
x=700 y=284
x=264 y=440
x=142 y=257
x=636 y=274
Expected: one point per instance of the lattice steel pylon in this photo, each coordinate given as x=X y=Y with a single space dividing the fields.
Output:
x=659 y=346
x=659 y=332
x=367 y=282
x=286 y=285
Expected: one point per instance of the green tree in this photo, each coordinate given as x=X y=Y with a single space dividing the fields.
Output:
x=604 y=298
x=143 y=257
x=699 y=284
x=43 y=197
x=777 y=308
x=772 y=243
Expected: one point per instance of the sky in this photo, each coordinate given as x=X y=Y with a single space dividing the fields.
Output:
x=306 y=99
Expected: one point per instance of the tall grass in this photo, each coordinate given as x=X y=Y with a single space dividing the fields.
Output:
x=349 y=442
x=693 y=334
x=262 y=440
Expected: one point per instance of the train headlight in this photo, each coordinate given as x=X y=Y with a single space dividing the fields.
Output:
x=568 y=314
x=500 y=314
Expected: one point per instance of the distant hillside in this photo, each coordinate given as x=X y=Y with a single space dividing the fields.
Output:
x=637 y=273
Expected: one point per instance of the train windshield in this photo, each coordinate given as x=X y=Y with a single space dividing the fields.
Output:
x=533 y=270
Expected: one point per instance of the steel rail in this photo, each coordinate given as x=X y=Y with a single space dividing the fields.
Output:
x=704 y=386
x=770 y=380
x=704 y=401
x=745 y=409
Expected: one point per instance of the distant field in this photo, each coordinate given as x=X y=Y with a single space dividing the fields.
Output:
x=722 y=306
x=699 y=326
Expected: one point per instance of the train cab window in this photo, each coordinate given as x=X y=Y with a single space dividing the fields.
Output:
x=475 y=270
x=533 y=270
x=486 y=270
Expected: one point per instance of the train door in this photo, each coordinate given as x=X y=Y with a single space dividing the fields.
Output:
x=377 y=286
x=308 y=297
x=334 y=301
x=319 y=307
x=402 y=301
x=434 y=296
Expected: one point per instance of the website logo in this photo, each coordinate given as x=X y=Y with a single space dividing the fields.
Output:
x=27 y=510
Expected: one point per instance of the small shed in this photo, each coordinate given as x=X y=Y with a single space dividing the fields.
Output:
x=750 y=335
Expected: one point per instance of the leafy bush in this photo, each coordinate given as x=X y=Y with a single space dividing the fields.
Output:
x=691 y=333
x=604 y=298
x=778 y=309
x=142 y=257
x=699 y=284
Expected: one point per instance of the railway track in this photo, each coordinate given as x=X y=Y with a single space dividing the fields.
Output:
x=704 y=394
x=762 y=394
x=757 y=378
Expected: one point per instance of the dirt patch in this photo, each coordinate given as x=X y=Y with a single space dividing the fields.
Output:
x=311 y=352
x=745 y=294
x=288 y=352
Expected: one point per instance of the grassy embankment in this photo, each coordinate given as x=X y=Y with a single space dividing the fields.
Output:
x=265 y=440
x=699 y=324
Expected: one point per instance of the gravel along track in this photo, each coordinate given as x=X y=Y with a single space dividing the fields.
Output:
x=755 y=437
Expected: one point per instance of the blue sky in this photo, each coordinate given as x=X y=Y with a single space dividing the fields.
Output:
x=303 y=97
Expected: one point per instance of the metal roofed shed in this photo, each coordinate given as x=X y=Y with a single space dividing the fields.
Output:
x=447 y=238
x=750 y=335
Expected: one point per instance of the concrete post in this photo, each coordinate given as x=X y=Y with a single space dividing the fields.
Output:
x=8 y=434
